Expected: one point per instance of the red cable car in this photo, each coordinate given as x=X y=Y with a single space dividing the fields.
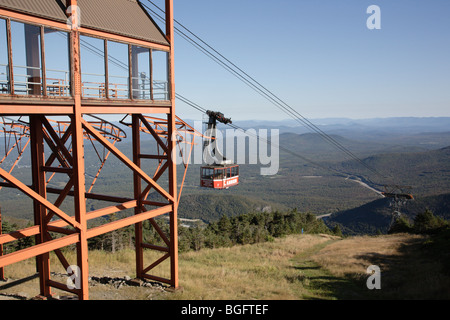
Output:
x=221 y=173
x=397 y=192
x=219 y=177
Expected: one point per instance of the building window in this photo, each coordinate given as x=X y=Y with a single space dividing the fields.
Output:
x=39 y=65
x=57 y=64
x=160 y=75
x=118 y=70
x=4 y=65
x=92 y=59
x=106 y=68
x=26 y=54
x=141 y=73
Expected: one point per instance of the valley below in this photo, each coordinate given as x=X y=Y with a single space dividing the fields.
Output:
x=342 y=194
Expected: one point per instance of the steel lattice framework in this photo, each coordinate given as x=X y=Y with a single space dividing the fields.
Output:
x=57 y=147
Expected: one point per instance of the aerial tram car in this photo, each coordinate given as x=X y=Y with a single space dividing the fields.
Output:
x=398 y=192
x=220 y=173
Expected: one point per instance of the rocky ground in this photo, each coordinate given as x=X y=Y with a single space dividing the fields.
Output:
x=100 y=288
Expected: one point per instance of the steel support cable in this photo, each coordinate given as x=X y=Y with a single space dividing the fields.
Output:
x=259 y=88
x=214 y=58
x=289 y=151
x=303 y=120
x=196 y=106
x=199 y=108
x=288 y=109
x=124 y=66
x=202 y=110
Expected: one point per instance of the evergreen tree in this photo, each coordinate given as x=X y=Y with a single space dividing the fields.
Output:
x=337 y=230
x=427 y=222
x=400 y=225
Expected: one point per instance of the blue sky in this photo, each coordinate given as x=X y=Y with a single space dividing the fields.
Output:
x=318 y=56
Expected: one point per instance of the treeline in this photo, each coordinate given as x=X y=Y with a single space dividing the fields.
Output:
x=19 y=244
x=210 y=207
x=226 y=232
x=250 y=228
x=437 y=229
x=423 y=223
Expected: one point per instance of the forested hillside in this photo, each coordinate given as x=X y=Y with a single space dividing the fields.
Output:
x=428 y=172
x=211 y=207
x=376 y=216
x=407 y=158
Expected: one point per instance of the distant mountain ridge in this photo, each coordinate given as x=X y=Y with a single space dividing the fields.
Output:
x=409 y=125
x=427 y=132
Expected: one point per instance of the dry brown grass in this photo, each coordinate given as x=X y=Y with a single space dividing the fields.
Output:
x=354 y=255
x=406 y=272
x=290 y=268
x=260 y=271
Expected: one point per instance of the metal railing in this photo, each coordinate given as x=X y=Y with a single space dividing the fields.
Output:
x=144 y=91
x=58 y=84
x=118 y=88
x=95 y=87
x=23 y=82
x=160 y=90
x=4 y=79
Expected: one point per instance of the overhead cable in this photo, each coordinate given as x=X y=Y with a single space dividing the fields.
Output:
x=258 y=87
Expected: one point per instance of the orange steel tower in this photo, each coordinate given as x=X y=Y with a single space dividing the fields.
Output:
x=46 y=72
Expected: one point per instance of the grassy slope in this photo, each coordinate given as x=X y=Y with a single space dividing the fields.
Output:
x=292 y=268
